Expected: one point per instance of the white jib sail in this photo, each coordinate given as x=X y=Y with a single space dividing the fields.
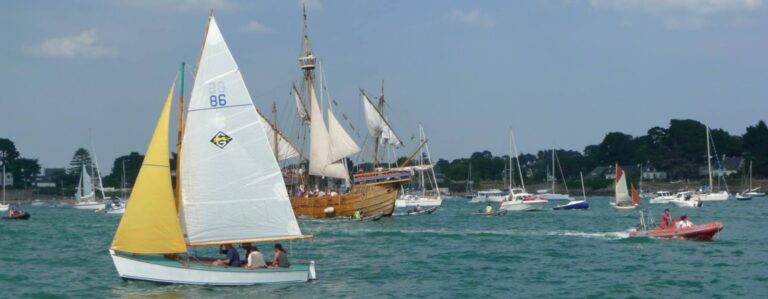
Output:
x=377 y=125
x=320 y=162
x=232 y=187
x=85 y=187
x=622 y=194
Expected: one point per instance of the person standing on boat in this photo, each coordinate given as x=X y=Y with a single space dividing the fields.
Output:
x=665 y=219
x=233 y=258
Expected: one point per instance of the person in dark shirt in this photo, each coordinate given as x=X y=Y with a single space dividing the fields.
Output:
x=281 y=257
x=233 y=258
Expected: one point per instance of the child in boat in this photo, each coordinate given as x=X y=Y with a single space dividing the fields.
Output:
x=256 y=259
x=281 y=257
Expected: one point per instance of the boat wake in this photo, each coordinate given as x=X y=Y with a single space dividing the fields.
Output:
x=567 y=233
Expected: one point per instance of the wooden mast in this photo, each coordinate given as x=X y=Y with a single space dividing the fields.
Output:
x=180 y=129
x=307 y=63
x=378 y=138
x=274 y=126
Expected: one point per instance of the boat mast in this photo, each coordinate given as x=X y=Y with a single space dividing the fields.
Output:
x=122 y=183
x=2 y=160
x=378 y=138
x=274 y=124
x=307 y=64
x=511 y=173
x=180 y=134
x=517 y=158
x=554 y=180
x=583 y=192
x=709 y=162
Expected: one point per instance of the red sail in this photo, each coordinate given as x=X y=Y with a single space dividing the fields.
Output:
x=619 y=173
x=635 y=196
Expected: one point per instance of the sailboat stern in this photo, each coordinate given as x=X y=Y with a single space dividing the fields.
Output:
x=157 y=268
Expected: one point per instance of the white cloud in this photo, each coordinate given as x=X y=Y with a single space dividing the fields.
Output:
x=83 y=45
x=684 y=6
x=181 y=5
x=255 y=26
x=472 y=17
x=311 y=4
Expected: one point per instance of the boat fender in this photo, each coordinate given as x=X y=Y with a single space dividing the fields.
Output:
x=312 y=274
x=329 y=210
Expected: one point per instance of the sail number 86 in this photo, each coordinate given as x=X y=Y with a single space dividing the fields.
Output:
x=218 y=97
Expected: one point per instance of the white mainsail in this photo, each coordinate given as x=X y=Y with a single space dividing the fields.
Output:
x=285 y=149
x=622 y=194
x=85 y=186
x=232 y=187
x=320 y=148
x=377 y=125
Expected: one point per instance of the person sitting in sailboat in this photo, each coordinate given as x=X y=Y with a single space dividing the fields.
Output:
x=233 y=258
x=256 y=259
x=281 y=257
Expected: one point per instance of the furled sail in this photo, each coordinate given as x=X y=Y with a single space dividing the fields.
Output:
x=232 y=187
x=150 y=224
x=377 y=125
x=285 y=149
x=342 y=145
x=622 y=194
x=302 y=109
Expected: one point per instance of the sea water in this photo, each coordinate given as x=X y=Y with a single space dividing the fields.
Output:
x=62 y=252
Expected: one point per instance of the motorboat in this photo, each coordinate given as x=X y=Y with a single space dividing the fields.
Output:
x=661 y=197
x=686 y=199
x=493 y=195
x=412 y=200
x=519 y=200
x=705 y=231
x=17 y=215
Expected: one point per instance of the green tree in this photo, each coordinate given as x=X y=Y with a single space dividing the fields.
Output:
x=755 y=143
x=24 y=172
x=132 y=165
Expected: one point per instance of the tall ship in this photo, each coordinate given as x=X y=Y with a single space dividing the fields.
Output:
x=316 y=194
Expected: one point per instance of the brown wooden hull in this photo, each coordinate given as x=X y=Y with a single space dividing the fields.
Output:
x=370 y=199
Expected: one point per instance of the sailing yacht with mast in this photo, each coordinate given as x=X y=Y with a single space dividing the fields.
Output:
x=426 y=178
x=622 y=200
x=752 y=192
x=709 y=194
x=85 y=196
x=372 y=193
x=231 y=187
x=552 y=193
x=518 y=199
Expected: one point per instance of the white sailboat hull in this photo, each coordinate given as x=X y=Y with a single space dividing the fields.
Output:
x=168 y=271
x=4 y=207
x=88 y=205
x=119 y=210
x=422 y=201
x=523 y=205
x=623 y=207
x=719 y=196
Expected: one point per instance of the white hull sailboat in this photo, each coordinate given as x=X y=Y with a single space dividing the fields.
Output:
x=245 y=202
x=429 y=194
x=413 y=200
x=710 y=195
x=622 y=200
x=86 y=193
x=551 y=194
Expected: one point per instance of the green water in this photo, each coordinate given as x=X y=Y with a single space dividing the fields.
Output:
x=63 y=252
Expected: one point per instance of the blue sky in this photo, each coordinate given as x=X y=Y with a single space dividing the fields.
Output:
x=561 y=73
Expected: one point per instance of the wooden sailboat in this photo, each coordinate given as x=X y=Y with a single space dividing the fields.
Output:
x=231 y=187
x=372 y=193
x=622 y=199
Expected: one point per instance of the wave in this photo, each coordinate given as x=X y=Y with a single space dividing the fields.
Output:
x=566 y=233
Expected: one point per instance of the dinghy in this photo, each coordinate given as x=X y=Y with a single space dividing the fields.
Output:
x=17 y=215
x=622 y=200
x=497 y=213
x=705 y=231
x=421 y=211
x=232 y=190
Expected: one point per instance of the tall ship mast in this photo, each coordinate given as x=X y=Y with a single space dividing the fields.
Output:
x=371 y=193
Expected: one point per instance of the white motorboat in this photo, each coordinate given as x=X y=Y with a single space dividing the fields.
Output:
x=662 y=197
x=686 y=199
x=493 y=195
x=412 y=200
x=88 y=205
x=519 y=200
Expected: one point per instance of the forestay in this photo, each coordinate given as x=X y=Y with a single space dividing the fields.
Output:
x=232 y=187
x=377 y=125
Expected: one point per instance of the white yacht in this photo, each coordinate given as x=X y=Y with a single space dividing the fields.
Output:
x=662 y=197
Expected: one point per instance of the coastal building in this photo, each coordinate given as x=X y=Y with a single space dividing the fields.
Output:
x=608 y=173
x=653 y=174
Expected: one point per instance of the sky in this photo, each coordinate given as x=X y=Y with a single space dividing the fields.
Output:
x=560 y=73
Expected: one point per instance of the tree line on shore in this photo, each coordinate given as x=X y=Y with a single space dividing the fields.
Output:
x=678 y=149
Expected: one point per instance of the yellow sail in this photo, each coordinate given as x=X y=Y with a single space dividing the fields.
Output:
x=150 y=224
